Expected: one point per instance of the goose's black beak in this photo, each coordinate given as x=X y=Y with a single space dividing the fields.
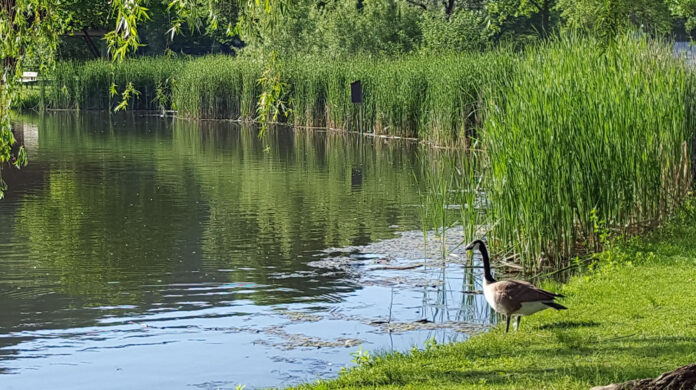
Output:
x=470 y=247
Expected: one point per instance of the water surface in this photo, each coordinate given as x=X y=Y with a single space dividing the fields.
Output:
x=141 y=252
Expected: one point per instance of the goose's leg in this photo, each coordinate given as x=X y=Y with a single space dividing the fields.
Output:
x=507 y=327
x=517 y=325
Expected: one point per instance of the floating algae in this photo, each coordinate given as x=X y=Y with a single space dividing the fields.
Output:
x=297 y=316
x=410 y=249
x=294 y=340
x=462 y=327
x=403 y=261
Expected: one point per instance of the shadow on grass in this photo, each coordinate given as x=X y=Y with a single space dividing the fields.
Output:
x=637 y=347
x=569 y=325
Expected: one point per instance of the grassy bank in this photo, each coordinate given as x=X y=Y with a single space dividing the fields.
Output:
x=631 y=317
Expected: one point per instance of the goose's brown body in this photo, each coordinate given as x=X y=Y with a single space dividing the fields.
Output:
x=517 y=297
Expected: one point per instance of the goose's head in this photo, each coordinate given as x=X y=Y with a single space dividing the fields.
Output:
x=475 y=245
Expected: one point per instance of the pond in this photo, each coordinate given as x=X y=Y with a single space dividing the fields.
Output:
x=147 y=252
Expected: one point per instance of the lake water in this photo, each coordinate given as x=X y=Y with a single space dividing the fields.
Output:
x=142 y=252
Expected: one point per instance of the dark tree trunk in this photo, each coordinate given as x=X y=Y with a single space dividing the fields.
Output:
x=545 y=16
x=449 y=8
x=544 y=8
x=90 y=44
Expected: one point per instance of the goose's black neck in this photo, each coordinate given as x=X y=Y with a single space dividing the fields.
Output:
x=486 y=262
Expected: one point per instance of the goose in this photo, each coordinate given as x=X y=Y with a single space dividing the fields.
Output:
x=513 y=297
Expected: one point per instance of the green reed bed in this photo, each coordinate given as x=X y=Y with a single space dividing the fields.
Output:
x=582 y=140
x=88 y=85
x=435 y=98
x=218 y=87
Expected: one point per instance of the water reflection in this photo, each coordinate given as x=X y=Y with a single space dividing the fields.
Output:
x=147 y=252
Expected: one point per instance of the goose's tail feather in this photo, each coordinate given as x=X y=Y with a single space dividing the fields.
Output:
x=555 y=305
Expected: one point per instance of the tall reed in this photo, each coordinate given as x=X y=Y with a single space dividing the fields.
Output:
x=435 y=98
x=217 y=87
x=87 y=85
x=582 y=136
x=451 y=193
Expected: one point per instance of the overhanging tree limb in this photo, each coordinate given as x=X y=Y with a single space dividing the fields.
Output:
x=418 y=4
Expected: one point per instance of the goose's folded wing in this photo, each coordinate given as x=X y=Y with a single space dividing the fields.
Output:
x=520 y=291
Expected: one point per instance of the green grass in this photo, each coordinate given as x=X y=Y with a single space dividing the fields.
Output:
x=631 y=317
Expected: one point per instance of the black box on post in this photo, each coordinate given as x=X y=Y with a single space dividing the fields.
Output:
x=356 y=92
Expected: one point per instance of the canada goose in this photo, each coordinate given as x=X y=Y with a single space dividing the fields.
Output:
x=513 y=297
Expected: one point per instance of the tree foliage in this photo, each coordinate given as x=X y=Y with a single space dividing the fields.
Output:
x=685 y=9
x=28 y=28
x=462 y=31
x=78 y=14
x=373 y=27
x=611 y=16
x=501 y=11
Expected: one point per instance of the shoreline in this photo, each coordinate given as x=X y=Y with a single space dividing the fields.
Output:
x=629 y=318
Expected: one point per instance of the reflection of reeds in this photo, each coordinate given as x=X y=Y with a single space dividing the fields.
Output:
x=211 y=185
x=450 y=184
x=308 y=196
x=448 y=302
